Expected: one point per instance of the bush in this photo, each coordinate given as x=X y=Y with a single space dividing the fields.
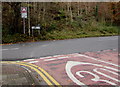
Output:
x=52 y=27
x=108 y=29
x=15 y=38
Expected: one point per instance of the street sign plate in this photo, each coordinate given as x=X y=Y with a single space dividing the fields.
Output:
x=24 y=12
x=36 y=27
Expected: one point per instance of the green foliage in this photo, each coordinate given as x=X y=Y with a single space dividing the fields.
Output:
x=88 y=31
x=52 y=27
x=15 y=38
x=59 y=21
x=109 y=29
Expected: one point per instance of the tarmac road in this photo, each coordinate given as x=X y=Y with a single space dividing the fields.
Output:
x=57 y=47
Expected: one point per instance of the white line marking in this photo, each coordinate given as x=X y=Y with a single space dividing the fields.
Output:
x=68 y=67
x=33 y=62
x=77 y=55
x=28 y=59
x=56 y=58
x=45 y=57
x=57 y=55
x=109 y=71
x=10 y=49
x=44 y=45
x=96 y=70
x=114 y=49
x=48 y=57
x=14 y=48
x=26 y=69
x=4 y=49
x=99 y=60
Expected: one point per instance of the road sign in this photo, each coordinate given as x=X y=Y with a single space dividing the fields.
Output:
x=24 y=12
x=24 y=15
x=36 y=27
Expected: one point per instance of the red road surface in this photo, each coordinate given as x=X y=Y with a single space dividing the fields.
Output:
x=89 y=68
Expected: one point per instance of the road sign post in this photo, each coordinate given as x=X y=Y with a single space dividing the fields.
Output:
x=36 y=28
x=24 y=16
x=24 y=25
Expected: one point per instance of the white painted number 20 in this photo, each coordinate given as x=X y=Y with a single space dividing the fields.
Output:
x=96 y=78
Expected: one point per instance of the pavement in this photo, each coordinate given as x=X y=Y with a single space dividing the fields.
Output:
x=24 y=51
x=100 y=68
x=16 y=75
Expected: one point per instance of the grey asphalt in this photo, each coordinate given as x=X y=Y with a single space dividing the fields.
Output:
x=57 y=47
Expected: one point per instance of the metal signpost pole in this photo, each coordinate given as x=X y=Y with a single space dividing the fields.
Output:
x=24 y=25
x=32 y=32
x=28 y=19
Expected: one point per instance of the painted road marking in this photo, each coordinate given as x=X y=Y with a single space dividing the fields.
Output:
x=33 y=62
x=81 y=55
x=41 y=74
x=36 y=68
x=14 y=48
x=45 y=57
x=97 y=78
x=50 y=77
x=71 y=64
x=4 y=49
x=99 y=60
x=26 y=69
x=44 y=45
x=56 y=58
x=96 y=70
x=10 y=49
x=29 y=60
